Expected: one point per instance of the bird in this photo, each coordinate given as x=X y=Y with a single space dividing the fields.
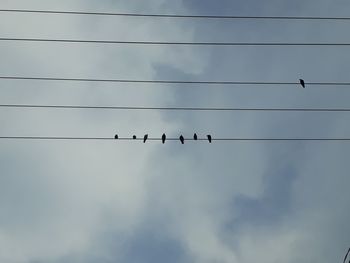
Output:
x=209 y=138
x=302 y=83
x=134 y=137
x=195 y=137
x=163 y=138
x=116 y=136
x=145 y=138
x=182 y=139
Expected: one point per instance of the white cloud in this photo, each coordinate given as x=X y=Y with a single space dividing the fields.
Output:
x=60 y=200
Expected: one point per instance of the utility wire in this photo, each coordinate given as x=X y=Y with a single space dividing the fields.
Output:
x=143 y=81
x=170 y=108
x=168 y=139
x=346 y=255
x=173 y=15
x=56 y=40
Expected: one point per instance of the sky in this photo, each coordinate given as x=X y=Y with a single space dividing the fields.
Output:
x=129 y=202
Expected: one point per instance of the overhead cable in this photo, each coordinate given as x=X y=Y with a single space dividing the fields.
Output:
x=225 y=17
x=145 y=81
x=140 y=108
x=172 y=43
x=170 y=139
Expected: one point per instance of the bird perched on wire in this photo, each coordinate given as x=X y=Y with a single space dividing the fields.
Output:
x=195 y=137
x=209 y=138
x=145 y=138
x=134 y=137
x=302 y=83
x=163 y=138
x=182 y=139
x=116 y=136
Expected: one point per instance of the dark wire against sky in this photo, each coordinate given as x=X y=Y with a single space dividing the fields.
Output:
x=171 y=108
x=54 y=138
x=144 y=81
x=60 y=12
x=177 y=43
x=172 y=43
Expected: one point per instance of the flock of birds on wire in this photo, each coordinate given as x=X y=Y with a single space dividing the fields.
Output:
x=209 y=138
x=181 y=138
x=195 y=137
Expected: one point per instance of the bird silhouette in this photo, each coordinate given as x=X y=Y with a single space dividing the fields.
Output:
x=116 y=136
x=163 y=138
x=209 y=138
x=182 y=139
x=302 y=83
x=145 y=138
x=195 y=137
x=134 y=137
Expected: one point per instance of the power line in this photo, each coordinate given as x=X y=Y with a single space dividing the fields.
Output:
x=174 y=15
x=170 y=108
x=143 y=81
x=168 y=139
x=170 y=43
x=346 y=255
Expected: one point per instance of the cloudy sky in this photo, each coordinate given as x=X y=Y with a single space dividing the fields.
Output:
x=128 y=202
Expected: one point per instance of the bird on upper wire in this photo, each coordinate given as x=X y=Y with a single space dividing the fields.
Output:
x=209 y=138
x=195 y=137
x=134 y=137
x=145 y=138
x=163 y=138
x=302 y=83
x=182 y=139
x=116 y=136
